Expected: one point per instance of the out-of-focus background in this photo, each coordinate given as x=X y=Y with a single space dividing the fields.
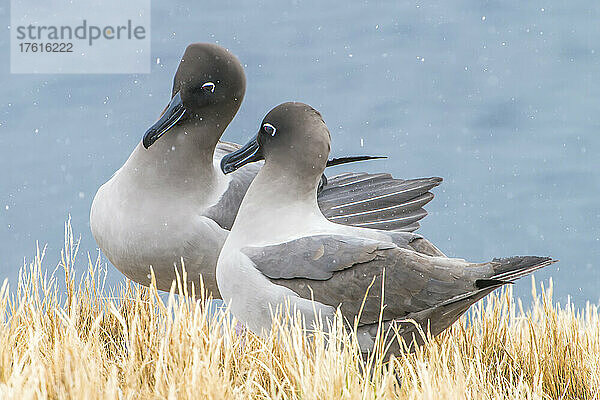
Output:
x=500 y=98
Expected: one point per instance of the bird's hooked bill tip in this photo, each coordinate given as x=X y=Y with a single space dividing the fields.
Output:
x=250 y=152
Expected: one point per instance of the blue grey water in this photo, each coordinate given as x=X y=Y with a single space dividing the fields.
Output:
x=500 y=98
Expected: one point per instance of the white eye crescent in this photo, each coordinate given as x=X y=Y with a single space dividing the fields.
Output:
x=209 y=86
x=270 y=129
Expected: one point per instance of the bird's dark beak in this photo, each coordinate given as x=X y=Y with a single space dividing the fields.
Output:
x=251 y=152
x=173 y=113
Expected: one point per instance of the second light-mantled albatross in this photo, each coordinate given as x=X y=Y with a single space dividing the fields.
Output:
x=283 y=251
x=170 y=201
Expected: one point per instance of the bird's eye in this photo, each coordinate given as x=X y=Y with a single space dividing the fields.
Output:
x=269 y=129
x=209 y=86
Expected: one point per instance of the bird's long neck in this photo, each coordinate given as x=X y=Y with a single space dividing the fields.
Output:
x=278 y=203
x=181 y=159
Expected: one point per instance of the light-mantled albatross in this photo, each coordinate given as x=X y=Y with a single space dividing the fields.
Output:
x=170 y=200
x=283 y=251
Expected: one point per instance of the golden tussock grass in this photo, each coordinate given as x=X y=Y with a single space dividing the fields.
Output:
x=75 y=342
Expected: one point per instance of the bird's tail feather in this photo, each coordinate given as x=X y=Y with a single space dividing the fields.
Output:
x=506 y=271
x=512 y=268
x=441 y=316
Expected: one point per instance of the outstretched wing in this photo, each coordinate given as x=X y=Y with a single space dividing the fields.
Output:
x=376 y=201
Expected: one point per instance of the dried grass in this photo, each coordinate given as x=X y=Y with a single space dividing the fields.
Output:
x=74 y=341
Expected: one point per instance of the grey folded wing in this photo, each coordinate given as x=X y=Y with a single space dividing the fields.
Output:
x=376 y=201
x=343 y=271
x=395 y=285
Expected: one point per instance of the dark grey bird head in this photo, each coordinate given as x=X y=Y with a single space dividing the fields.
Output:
x=208 y=89
x=292 y=136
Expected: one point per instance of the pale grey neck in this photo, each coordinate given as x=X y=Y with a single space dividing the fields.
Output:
x=285 y=185
x=179 y=159
x=277 y=205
